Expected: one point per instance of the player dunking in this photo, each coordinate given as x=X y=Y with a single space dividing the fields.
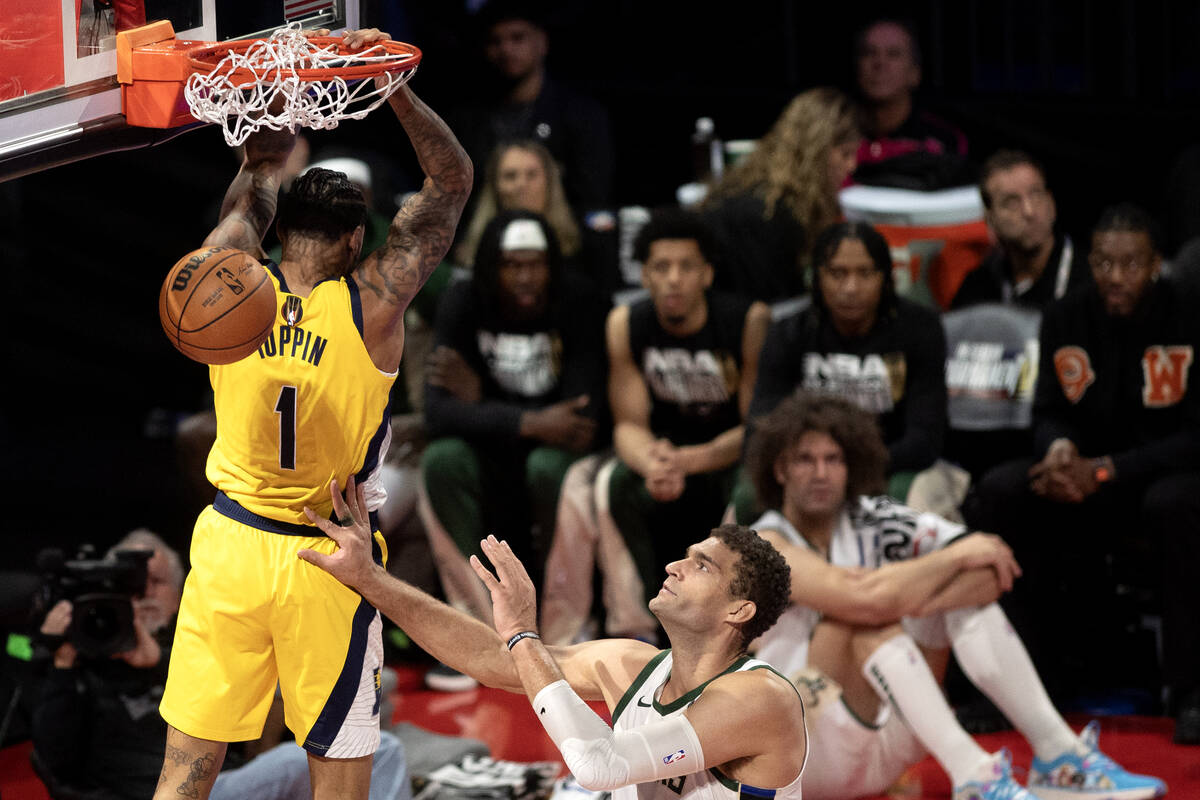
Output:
x=700 y=721
x=309 y=408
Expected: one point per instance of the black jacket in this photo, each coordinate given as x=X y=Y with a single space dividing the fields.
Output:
x=1121 y=386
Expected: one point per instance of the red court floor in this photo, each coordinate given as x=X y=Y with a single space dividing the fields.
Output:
x=504 y=722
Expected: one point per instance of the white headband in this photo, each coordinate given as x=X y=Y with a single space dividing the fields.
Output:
x=523 y=234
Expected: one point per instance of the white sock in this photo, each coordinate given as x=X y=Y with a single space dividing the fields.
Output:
x=994 y=658
x=898 y=673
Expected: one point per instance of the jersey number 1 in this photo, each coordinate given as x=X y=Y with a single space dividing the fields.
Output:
x=285 y=407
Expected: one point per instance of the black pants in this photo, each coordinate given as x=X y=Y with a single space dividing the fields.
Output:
x=1075 y=556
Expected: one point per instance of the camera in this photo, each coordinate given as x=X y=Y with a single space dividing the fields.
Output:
x=101 y=592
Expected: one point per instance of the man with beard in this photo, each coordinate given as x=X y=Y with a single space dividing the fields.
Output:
x=1117 y=469
x=1031 y=265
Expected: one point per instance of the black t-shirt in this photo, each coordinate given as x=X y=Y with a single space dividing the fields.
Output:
x=923 y=154
x=522 y=366
x=693 y=380
x=897 y=371
x=573 y=127
x=760 y=258
x=97 y=725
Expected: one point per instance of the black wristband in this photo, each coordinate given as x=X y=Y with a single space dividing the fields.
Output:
x=522 y=635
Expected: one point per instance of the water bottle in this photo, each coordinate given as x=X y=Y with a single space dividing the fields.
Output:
x=708 y=159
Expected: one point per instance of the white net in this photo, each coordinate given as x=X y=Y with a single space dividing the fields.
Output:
x=260 y=87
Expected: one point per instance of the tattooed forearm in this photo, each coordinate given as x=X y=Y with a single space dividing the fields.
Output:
x=441 y=156
x=422 y=230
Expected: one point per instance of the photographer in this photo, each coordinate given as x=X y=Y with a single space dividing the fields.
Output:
x=96 y=727
x=97 y=731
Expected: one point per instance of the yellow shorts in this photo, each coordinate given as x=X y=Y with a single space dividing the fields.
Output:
x=253 y=615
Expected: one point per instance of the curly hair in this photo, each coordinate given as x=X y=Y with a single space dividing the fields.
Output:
x=322 y=203
x=557 y=211
x=856 y=431
x=761 y=576
x=790 y=165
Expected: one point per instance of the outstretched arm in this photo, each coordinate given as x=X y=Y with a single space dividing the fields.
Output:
x=598 y=670
x=249 y=204
x=421 y=231
x=762 y=711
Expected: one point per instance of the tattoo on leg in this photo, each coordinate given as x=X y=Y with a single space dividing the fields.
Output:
x=200 y=770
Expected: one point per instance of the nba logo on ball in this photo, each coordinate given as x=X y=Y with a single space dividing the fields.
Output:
x=292 y=310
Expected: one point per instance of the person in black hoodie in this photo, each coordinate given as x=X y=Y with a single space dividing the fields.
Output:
x=513 y=391
x=859 y=341
x=1117 y=437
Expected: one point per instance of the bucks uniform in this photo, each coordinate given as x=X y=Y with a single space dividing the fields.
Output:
x=308 y=407
x=852 y=757
x=639 y=706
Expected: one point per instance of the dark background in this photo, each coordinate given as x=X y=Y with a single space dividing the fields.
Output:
x=1106 y=97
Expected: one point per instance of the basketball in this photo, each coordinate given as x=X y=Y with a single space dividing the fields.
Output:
x=217 y=305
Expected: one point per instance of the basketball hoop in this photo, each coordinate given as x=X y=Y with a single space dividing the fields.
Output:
x=287 y=80
x=292 y=80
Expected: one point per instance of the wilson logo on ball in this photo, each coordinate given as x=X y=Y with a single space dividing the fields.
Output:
x=185 y=272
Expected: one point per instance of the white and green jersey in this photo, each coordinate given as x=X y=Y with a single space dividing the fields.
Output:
x=639 y=706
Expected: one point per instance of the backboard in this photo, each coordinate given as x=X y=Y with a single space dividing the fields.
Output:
x=59 y=96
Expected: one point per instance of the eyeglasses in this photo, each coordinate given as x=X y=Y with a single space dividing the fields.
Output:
x=1127 y=265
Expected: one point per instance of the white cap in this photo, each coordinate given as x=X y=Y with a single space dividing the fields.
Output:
x=523 y=234
x=357 y=171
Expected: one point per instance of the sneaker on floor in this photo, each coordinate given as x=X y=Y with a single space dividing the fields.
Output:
x=441 y=678
x=1000 y=785
x=1073 y=777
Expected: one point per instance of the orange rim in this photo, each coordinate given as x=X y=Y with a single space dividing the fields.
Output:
x=207 y=57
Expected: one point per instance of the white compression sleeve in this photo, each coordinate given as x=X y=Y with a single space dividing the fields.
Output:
x=602 y=759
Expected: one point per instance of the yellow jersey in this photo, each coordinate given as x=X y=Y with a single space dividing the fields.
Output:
x=307 y=407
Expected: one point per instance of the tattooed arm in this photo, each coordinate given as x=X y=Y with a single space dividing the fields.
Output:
x=250 y=201
x=420 y=233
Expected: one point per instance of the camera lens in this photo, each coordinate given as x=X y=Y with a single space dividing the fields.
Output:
x=102 y=624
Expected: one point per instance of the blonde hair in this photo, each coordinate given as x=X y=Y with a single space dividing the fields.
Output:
x=557 y=211
x=790 y=165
